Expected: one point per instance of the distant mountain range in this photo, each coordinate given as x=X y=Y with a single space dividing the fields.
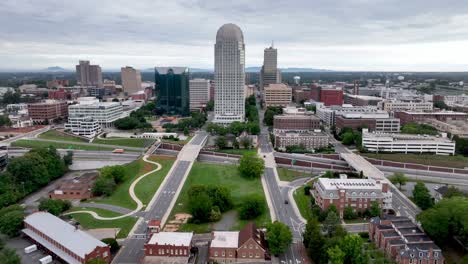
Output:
x=55 y=69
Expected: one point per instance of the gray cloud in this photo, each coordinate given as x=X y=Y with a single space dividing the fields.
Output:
x=340 y=34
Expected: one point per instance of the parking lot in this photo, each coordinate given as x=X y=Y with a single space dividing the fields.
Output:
x=19 y=244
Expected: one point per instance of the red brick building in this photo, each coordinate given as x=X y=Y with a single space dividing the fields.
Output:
x=400 y=239
x=408 y=117
x=62 y=240
x=59 y=94
x=355 y=193
x=388 y=125
x=48 y=110
x=77 y=188
x=246 y=246
x=331 y=96
x=301 y=122
x=175 y=245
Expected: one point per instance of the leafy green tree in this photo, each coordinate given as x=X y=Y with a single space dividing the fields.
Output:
x=113 y=244
x=246 y=142
x=11 y=97
x=221 y=142
x=68 y=158
x=349 y=213
x=11 y=220
x=104 y=186
x=331 y=223
x=116 y=172
x=348 y=138
x=210 y=105
x=313 y=239
x=236 y=128
x=186 y=131
x=270 y=112
x=422 y=197
x=4 y=121
x=251 y=165
x=278 y=237
x=220 y=197
x=252 y=207
x=235 y=144
x=374 y=209
x=307 y=191
x=200 y=207
x=127 y=123
x=336 y=255
x=453 y=191
x=398 y=178
x=9 y=256
x=415 y=128
x=351 y=245
x=253 y=128
x=55 y=207
x=96 y=261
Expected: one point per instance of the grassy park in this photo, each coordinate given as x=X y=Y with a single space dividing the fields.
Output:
x=28 y=143
x=220 y=175
x=88 y=222
x=291 y=175
x=425 y=159
x=303 y=202
x=54 y=135
x=145 y=189
x=237 y=151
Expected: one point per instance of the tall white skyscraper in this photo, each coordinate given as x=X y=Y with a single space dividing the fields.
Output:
x=229 y=75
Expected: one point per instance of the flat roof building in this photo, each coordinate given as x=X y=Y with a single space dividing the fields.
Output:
x=407 y=143
x=164 y=245
x=48 y=110
x=104 y=113
x=397 y=106
x=172 y=86
x=374 y=122
x=309 y=140
x=361 y=100
x=131 y=80
x=356 y=193
x=331 y=95
x=63 y=240
x=299 y=123
x=411 y=116
x=278 y=94
x=199 y=93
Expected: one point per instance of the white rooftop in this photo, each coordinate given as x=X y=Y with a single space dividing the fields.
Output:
x=172 y=238
x=225 y=239
x=65 y=234
x=335 y=184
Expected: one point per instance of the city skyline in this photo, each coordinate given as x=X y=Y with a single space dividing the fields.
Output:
x=343 y=36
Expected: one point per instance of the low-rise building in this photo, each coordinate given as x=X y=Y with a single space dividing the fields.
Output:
x=361 y=100
x=298 y=123
x=84 y=126
x=358 y=194
x=328 y=114
x=403 y=241
x=48 y=111
x=409 y=116
x=164 y=245
x=245 y=246
x=277 y=94
x=105 y=113
x=331 y=95
x=310 y=140
x=374 y=122
x=454 y=127
x=407 y=143
x=75 y=189
x=64 y=241
x=57 y=84
x=399 y=105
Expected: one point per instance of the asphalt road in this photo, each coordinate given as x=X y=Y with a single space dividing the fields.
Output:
x=132 y=250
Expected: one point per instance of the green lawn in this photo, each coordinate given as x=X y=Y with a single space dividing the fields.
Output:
x=88 y=222
x=237 y=151
x=148 y=186
x=121 y=197
x=127 y=142
x=302 y=202
x=426 y=159
x=179 y=142
x=54 y=135
x=27 y=143
x=291 y=175
x=220 y=175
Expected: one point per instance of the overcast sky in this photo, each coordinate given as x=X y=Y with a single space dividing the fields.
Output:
x=374 y=35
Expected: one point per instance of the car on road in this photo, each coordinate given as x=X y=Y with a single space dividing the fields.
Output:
x=286 y=202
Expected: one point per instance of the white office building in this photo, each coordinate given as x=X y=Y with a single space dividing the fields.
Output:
x=199 y=90
x=83 y=126
x=104 y=113
x=406 y=143
x=229 y=75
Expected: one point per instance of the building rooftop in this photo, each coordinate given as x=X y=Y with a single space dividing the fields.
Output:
x=172 y=238
x=176 y=70
x=229 y=32
x=408 y=137
x=225 y=239
x=335 y=184
x=63 y=233
x=435 y=113
x=277 y=86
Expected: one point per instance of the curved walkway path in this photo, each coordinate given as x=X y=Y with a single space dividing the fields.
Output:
x=131 y=191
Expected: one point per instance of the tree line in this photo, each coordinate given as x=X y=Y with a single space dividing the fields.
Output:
x=27 y=174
